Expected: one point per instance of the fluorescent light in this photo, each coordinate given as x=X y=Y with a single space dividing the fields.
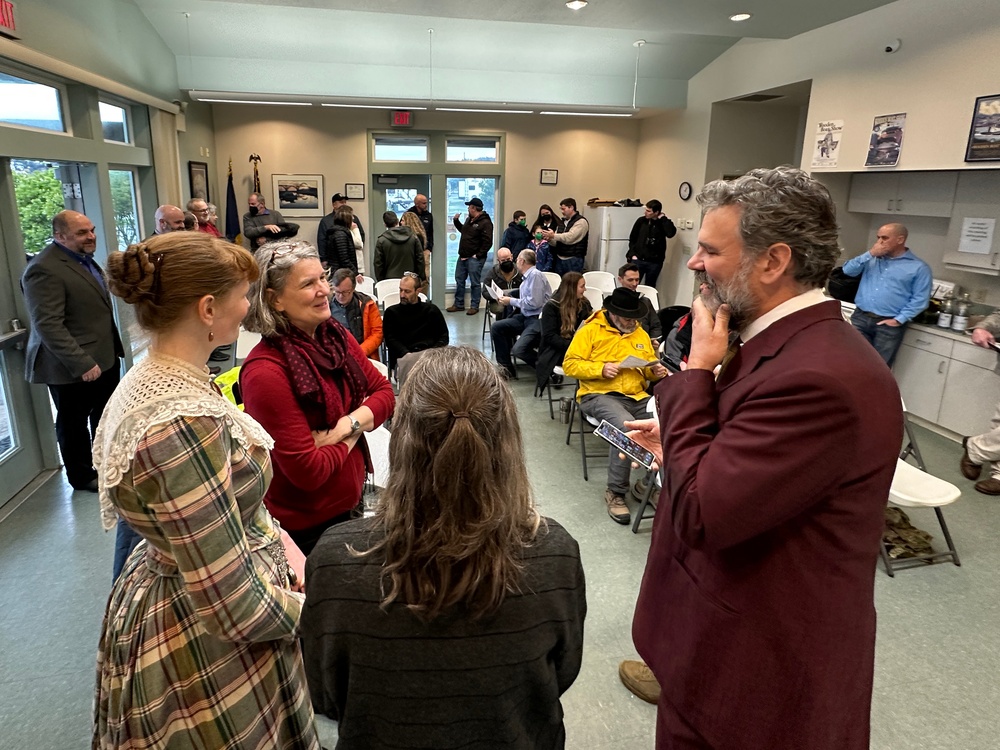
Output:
x=371 y=106
x=576 y=4
x=247 y=101
x=737 y=17
x=487 y=111
x=590 y=114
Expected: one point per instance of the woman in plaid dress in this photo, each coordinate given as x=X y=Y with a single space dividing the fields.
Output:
x=198 y=648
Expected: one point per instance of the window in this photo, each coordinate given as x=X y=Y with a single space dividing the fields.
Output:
x=114 y=121
x=30 y=104
x=471 y=150
x=40 y=192
x=126 y=206
x=388 y=148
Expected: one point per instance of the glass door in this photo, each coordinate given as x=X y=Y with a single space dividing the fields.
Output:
x=460 y=190
x=396 y=193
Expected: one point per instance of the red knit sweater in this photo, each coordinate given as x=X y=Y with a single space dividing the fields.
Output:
x=310 y=485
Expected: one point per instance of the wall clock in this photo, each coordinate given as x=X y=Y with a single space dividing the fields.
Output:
x=684 y=191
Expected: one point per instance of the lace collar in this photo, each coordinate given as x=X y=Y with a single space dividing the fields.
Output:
x=156 y=390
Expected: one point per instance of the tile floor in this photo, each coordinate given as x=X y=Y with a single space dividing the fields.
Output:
x=938 y=653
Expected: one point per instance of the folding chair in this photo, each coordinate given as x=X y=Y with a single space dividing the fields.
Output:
x=650 y=293
x=594 y=296
x=554 y=279
x=384 y=287
x=575 y=410
x=367 y=286
x=602 y=280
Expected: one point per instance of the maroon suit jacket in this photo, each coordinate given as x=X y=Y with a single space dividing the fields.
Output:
x=756 y=611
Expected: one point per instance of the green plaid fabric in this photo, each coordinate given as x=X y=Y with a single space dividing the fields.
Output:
x=198 y=648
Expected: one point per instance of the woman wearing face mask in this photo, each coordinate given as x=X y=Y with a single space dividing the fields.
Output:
x=516 y=236
x=505 y=275
x=547 y=219
x=561 y=316
x=543 y=255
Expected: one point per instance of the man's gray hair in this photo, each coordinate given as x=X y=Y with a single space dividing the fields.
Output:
x=275 y=260
x=786 y=205
x=260 y=198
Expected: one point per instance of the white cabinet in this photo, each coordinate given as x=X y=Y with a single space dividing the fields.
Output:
x=970 y=397
x=977 y=197
x=904 y=193
x=921 y=369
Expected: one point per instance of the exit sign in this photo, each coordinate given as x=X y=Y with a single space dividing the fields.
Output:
x=8 y=26
x=398 y=118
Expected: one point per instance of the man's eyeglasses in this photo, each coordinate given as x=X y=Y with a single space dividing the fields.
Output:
x=411 y=275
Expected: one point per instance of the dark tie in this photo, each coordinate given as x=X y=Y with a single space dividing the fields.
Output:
x=91 y=266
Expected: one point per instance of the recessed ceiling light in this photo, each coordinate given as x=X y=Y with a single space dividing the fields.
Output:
x=576 y=4
x=249 y=101
x=371 y=106
x=741 y=17
x=487 y=111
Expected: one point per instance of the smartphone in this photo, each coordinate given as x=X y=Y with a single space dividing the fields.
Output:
x=625 y=444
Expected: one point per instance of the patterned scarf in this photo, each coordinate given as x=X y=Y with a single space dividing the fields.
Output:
x=322 y=369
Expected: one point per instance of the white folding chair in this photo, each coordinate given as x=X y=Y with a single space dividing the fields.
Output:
x=554 y=279
x=602 y=280
x=367 y=286
x=378 y=449
x=650 y=293
x=652 y=482
x=595 y=297
x=390 y=299
x=246 y=341
x=386 y=286
x=382 y=367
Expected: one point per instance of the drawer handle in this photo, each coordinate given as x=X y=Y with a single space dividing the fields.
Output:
x=924 y=342
x=941 y=367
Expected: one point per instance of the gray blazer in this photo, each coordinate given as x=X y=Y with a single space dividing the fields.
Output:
x=72 y=321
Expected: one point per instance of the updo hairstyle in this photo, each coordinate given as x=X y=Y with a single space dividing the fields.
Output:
x=163 y=276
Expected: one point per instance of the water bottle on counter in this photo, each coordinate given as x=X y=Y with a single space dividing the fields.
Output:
x=960 y=318
x=947 y=312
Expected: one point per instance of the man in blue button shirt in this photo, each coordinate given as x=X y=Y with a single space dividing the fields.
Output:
x=895 y=288
x=523 y=325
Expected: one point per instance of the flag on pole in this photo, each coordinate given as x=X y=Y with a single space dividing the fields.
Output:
x=232 y=210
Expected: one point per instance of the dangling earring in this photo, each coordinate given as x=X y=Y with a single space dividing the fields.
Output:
x=211 y=336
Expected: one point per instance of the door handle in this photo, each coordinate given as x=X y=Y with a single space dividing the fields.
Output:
x=888 y=206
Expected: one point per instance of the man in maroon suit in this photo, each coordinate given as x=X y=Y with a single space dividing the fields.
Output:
x=756 y=611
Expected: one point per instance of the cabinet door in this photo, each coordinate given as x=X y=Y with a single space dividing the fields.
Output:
x=926 y=193
x=921 y=375
x=970 y=397
x=873 y=192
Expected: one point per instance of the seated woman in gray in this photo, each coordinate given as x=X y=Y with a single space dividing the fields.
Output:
x=454 y=616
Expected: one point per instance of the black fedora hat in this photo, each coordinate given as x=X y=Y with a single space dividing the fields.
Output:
x=625 y=303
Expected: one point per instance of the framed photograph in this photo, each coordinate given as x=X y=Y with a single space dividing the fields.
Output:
x=198 y=176
x=355 y=191
x=298 y=194
x=984 y=135
x=549 y=177
x=886 y=140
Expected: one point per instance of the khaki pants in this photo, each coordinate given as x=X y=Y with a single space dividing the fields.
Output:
x=985 y=449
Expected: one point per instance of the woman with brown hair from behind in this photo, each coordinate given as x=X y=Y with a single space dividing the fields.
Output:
x=411 y=220
x=455 y=615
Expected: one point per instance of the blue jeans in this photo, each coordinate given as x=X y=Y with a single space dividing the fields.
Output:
x=527 y=331
x=649 y=271
x=125 y=541
x=561 y=266
x=885 y=339
x=471 y=269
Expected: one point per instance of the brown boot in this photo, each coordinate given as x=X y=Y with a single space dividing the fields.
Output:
x=617 y=508
x=454 y=308
x=989 y=486
x=969 y=469
x=639 y=679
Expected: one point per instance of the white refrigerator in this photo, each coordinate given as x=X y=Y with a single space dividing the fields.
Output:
x=609 y=230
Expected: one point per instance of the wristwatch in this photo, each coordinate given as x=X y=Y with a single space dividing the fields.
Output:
x=355 y=425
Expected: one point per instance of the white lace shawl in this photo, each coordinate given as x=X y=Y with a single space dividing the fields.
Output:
x=153 y=392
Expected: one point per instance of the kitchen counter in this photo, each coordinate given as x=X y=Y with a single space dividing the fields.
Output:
x=965 y=337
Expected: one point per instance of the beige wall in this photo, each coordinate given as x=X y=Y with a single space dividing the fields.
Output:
x=596 y=157
x=945 y=62
x=197 y=143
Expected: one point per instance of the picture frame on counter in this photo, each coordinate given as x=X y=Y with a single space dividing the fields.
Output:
x=298 y=194
x=984 y=132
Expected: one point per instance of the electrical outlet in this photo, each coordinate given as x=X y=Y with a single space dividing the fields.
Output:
x=208 y=151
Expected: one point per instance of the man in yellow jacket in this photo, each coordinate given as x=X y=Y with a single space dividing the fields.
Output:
x=606 y=356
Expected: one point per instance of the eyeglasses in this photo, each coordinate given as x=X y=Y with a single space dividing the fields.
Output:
x=201 y=211
x=411 y=275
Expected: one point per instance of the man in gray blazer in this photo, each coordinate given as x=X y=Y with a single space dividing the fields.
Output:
x=73 y=346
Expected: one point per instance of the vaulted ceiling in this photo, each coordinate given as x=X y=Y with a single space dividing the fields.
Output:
x=505 y=54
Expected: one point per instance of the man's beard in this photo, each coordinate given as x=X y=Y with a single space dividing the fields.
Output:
x=736 y=294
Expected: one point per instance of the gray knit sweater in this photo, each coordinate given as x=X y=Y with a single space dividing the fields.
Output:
x=392 y=681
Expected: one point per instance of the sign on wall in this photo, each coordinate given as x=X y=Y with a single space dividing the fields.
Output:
x=8 y=24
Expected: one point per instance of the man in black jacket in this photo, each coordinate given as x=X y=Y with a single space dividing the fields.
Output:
x=477 y=239
x=647 y=242
x=326 y=224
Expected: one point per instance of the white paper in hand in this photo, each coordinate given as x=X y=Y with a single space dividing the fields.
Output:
x=633 y=361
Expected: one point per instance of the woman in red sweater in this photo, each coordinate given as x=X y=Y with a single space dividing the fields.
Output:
x=313 y=389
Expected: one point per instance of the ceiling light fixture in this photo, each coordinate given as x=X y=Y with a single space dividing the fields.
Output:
x=576 y=4
x=737 y=17
x=487 y=111
x=371 y=106
x=248 y=101
x=590 y=114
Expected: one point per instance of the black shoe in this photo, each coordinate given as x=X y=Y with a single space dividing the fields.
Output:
x=556 y=379
x=90 y=486
x=507 y=372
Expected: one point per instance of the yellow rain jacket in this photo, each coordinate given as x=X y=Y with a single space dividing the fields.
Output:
x=598 y=342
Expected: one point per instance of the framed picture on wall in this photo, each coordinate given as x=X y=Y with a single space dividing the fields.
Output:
x=355 y=191
x=298 y=194
x=549 y=177
x=984 y=134
x=198 y=176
